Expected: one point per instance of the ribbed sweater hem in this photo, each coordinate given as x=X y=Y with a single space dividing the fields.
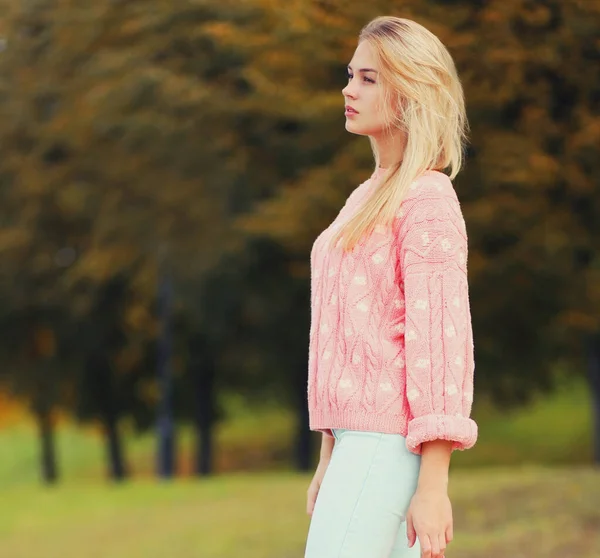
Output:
x=324 y=420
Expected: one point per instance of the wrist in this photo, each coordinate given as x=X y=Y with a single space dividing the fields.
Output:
x=435 y=466
x=433 y=485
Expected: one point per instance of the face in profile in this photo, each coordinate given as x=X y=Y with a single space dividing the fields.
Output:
x=364 y=94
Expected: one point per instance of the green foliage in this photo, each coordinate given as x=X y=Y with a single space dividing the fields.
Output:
x=528 y=191
x=208 y=137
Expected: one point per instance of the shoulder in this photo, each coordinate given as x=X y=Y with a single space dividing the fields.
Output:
x=431 y=184
x=431 y=200
x=432 y=193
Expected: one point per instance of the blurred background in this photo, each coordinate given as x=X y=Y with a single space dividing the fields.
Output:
x=165 y=166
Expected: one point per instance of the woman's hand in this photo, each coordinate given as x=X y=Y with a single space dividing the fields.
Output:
x=429 y=518
x=315 y=485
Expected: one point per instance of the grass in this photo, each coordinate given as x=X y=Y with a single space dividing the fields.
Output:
x=553 y=431
x=245 y=443
x=507 y=500
x=518 y=512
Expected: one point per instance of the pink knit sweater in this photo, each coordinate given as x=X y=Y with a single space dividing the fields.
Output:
x=391 y=343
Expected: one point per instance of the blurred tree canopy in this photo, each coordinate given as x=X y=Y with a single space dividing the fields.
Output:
x=213 y=132
x=532 y=81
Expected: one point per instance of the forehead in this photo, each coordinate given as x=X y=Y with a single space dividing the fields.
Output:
x=363 y=57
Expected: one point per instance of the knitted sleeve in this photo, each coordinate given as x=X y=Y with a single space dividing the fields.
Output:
x=438 y=333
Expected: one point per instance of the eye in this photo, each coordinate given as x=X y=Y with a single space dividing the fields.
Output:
x=365 y=78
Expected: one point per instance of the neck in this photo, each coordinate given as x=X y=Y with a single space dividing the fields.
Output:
x=390 y=148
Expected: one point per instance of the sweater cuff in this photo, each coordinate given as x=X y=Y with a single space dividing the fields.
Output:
x=455 y=428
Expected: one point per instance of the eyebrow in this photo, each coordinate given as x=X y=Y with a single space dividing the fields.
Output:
x=363 y=69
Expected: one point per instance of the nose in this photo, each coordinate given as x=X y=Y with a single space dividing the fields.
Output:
x=348 y=91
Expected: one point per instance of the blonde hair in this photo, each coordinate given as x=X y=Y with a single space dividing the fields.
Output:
x=419 y=77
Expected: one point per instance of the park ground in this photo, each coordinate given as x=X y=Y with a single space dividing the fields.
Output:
x=518 y=512
x=526 y=490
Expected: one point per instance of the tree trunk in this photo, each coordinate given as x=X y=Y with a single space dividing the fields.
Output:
x=202 y=370
x=42 y=408
x=48 y=455
x=166 y=427
x=116 y=463
x=303 y=455
x=101 y=375
x=204 y=449
x=594 y=380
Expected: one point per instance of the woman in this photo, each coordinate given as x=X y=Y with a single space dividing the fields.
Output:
x=391 y=359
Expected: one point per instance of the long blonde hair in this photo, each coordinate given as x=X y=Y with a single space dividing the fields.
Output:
x=419 y=76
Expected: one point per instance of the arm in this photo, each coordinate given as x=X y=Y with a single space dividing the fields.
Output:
x=439 y=360
x=438 y=335
x=435 y=465
x=429 y=516
x=327 y=443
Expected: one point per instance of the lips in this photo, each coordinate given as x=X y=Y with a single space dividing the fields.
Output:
x=350 y=109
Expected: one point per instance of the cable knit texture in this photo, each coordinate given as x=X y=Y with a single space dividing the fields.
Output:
x=391 y=342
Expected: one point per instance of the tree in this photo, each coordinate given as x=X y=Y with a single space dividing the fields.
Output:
x=527 y=191
x=218 y=128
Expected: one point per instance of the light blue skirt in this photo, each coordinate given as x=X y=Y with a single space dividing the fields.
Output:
x=362 y=502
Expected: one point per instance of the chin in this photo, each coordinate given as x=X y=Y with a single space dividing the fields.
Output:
x=355 y=128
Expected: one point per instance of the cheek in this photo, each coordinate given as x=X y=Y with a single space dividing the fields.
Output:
x=369 y=105
x=378 y=111
x=379 y=104
x=373 y=116
x=386 y=112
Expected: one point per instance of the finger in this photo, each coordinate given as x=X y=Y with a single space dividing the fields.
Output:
x=410 y=531
x=442 y=544
x=449 y=533
x=435 y=545
x=425 y=546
